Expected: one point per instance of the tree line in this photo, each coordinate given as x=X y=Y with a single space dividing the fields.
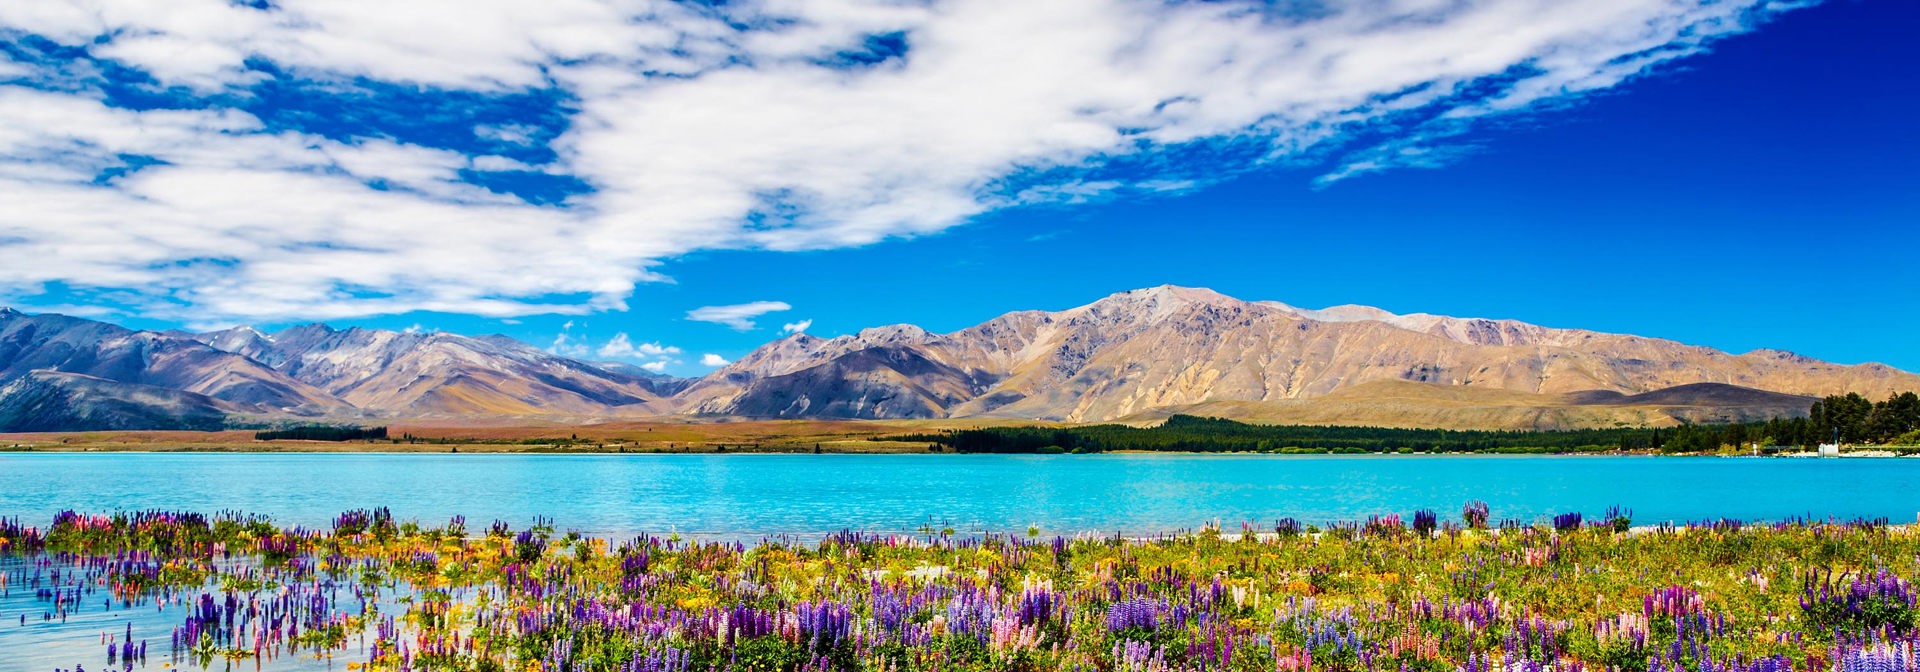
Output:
x=1187 y=433
x=323 y=433
x=1857 y=420
x=1894 y=421
x=1848 y=418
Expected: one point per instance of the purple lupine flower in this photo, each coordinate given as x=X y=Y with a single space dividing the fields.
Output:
x=1877 y=657
x=1568 y=522
x=1881 y=600
x=825 y=626
x=1425 y=521
x=1475 y=514
x=1037 y=606
x=1136 y=614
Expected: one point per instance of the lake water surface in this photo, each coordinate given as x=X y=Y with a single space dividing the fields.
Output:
x=748 y=496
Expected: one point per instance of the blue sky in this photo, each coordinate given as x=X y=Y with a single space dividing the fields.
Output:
x=1738 y=175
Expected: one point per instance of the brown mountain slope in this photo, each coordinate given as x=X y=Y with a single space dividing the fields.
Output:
x=73 y=345
x=882 y=382
x=423 y=375
x=1173 y=346
x=309 y=372
x=54 y=401
x=1431 y=406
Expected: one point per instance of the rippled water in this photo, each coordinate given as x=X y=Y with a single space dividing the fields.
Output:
x=41 y=635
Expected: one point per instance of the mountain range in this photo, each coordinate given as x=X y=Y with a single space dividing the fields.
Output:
x=1132 y=357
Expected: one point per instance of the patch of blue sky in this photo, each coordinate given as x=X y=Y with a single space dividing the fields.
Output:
x=874 y=50
x=129 y=163
x=776 y=209
x=518 y=125
x=535 y=187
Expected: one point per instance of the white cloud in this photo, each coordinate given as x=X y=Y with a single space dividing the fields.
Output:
x=738 y=316
x=565 y=345
x=796 y=327
x=622 y=347
x=711 y=359
x=696 y=133
x=651 y=356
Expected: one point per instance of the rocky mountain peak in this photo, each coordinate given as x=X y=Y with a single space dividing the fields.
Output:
x=237 y=339
x=1780 y=355
x=1344 y=313
x=1167 y=295
x=1154 y=304
x=894 y=334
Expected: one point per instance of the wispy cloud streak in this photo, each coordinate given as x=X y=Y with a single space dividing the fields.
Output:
x=739 y=316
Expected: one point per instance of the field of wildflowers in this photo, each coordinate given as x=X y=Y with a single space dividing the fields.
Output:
x=1433 y=594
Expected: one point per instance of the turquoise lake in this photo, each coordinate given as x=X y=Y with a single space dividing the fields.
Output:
x=745 y=497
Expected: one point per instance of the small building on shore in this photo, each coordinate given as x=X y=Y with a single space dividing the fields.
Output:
x=1830 y=450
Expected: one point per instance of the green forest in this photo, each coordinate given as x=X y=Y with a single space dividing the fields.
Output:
x=1852 y=417
x=323 y=433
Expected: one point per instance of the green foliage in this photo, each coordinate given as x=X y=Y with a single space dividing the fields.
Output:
x=1878 y=602
x=1895 y=420
x=323 y=433
x=1845 y=415
x=1185 y=433
x=1857 y=420
x=766 y=654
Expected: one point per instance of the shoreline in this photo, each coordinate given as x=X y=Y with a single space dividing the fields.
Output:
x=1193 y=436
x=883 y=448
x=841 y=446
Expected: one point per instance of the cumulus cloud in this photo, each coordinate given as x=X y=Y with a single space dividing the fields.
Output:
x=622 y=347
x=796 y=327
x=711 y=359
x=677 y=127
x=566 y=345
x=737 y=316
x=651 y=356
